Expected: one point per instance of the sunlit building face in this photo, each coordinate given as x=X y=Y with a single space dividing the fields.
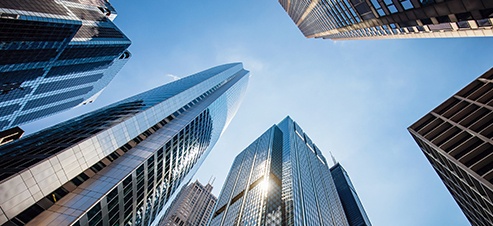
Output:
x=282 y=178
x=121 y=164
x=377 y=19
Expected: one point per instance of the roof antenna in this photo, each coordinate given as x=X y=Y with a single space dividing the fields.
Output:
x=211 y=180
x=333 y=159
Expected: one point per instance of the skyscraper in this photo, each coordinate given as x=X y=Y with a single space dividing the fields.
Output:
x=377 y=19
x=55 y=55
x=353 y=208
x=192 y=206
x=122 y=163
x=456 y=137
x=282 y=178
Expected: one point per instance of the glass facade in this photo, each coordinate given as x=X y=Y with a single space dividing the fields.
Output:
x=457 y=139
x=243 y=199
x=121 y=164
x=55 y=55
x=358 y=19
x=280 y=179
x=353 y=208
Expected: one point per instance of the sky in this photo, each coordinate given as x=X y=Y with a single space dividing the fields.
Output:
x=353 y=98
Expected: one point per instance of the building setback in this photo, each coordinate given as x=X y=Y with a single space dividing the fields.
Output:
x=120 y=164
x=192 y=206
x=456 y=137
x=282 y=178
x=353 y=208
x=377 y=19
x=10 y=135
x=55 y=55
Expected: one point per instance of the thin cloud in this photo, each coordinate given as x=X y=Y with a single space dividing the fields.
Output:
x=174 y=77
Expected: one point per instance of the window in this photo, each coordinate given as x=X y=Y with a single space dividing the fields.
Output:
x=406 y=4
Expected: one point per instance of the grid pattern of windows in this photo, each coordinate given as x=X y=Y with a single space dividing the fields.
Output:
x=32 y=31
x=21 y=76
x=4 y=123
x=14 y=94
x=42 y=6
x=297 y=8
x=88 y=51
x=309 y=193
x=274 y=204
x=98 y=32
x=279 y=179
x=351 y=19
x=76 y=68
x=456 y=137
x=353 y=208
x=253 y=206
x=46 y=111
x=192 y=206
x=157 y=164
x=25 y=56
x=34 y=148
x=52 y=86
x=18 y=156
x=55 y=98
x=85 y=14
x=142 y=189
x=243 y=197
x=10 y=108
x=38 y=44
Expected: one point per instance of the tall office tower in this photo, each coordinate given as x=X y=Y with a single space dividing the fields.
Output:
x=280 y=179
x=353 y=208
x=120 y=164
x=378 y=19
x=192 y=206
x=456 y=137
x=55 y=55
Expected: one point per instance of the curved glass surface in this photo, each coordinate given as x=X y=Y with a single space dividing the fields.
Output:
x=125 y=142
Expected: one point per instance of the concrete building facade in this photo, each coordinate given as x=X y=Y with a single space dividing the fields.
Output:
x=457 y=138
x=192 y=207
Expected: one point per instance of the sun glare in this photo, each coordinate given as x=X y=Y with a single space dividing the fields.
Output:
x=264 y=185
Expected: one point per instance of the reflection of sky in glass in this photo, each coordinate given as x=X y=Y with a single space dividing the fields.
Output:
x=338 y=91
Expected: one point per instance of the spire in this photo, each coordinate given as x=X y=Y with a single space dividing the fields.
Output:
x=211 y=180
x=333 y=159
x=208 y=186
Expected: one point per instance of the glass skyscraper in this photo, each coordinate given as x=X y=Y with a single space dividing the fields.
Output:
x=377 y=19
x=55 y=55
x=353 y=208
x=457 y=138
x=282 y=178
x=121 y=164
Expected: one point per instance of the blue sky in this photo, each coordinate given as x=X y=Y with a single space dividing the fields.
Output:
x=353 y=98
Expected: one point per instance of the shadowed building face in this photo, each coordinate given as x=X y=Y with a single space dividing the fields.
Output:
x=55 y=55
x=456 y=137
